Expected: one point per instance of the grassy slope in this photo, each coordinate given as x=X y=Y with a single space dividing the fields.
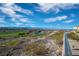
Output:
x=10 y=43
x=14 y=34
x=58 y=37
x=10 y=33
x=33 y=48
x=36 y=49
x=74 y=35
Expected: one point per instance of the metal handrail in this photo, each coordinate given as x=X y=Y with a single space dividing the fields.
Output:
x=66 y=47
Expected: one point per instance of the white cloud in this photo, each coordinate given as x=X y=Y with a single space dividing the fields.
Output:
x=13 y=19
x=25 y=20
x=32 y=25
x=10 y=10
x=50 y=20
x=18 y=8
x=61 y=17
x=18 y=24
x=69 y=21
x=21 y=21
x=26 y=11
x=54 y=19
x=45 y=7
x=2 y=20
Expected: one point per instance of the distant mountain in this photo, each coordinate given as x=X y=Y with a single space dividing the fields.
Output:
x=26 y=28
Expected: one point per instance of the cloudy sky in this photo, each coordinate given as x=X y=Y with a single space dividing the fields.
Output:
x=39 y=15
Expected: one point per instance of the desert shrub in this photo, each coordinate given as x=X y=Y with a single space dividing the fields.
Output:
x=36 y=49
x=77 y=31
x=58 y=37
x=72 y=35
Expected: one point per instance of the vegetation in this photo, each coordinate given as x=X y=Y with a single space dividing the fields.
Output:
x=73 y=35
x=22 y=33
x=58 y=37
x=22 y=40
x=10 y=43
x=77 y=31
x=10 y=34
x=38 y=49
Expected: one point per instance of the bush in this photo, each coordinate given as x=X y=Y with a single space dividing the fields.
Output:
x=72 y=35
x=21 y=34
x=36 y=49
x=58 y=37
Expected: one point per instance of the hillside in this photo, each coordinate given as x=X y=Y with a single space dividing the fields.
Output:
x=24 y=41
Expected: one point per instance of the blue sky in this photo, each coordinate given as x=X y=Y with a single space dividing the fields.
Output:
x=39 y=15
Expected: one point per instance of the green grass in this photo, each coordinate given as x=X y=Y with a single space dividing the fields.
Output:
x=10 y=43
x=34 y=34
x=38 y=35
x=10 y=34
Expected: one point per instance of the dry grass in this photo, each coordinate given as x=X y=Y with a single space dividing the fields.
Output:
x=36 y=49
x=73 y=36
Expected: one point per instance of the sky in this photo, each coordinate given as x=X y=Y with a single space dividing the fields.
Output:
x=39 y=15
